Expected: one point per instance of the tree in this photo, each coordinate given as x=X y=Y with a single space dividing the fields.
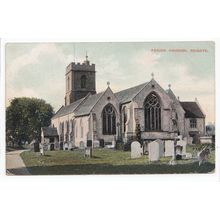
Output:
x=24 y=119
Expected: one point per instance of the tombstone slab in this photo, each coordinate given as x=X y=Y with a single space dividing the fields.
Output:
x=156 y=150
x=169 y=148
x=136 y=150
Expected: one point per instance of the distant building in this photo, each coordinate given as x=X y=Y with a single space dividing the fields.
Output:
x=88 y=116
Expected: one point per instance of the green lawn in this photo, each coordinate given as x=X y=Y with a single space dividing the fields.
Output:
x=106 y=161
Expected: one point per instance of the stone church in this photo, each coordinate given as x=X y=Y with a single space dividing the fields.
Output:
x=97 y=119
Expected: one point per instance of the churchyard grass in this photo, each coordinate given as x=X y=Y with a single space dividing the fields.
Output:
x=107 y=161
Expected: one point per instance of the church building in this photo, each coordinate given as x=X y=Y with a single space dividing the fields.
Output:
x=89 y=117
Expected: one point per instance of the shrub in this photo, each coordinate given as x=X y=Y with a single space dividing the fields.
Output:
x=119 y=145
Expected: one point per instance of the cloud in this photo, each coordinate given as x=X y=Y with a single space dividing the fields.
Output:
x=39 y=73
x=109 y=69
x=33 y=58
x=147 y=59
x=185 y=81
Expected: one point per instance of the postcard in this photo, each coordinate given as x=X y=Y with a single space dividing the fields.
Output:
x=110 y=108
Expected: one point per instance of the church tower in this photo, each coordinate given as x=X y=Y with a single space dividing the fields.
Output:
x=80 y=80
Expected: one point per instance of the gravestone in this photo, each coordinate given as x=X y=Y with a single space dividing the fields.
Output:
x=102 y=143
x=203 y=155
x=56 y=145
x=36 y=147
x=96 y=143
x=145 y=147
x=136 y=150
x=182 y=142
x=178 y=152
x=42 y=150
x=52 y=147
x=61 y=145
x=70 y=146
x=114 y=143
x=88 y=152
x=169 y=148
x=156 y=150
x=66 y=146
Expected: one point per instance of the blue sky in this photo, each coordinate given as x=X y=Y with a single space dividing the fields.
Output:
x=38 y=69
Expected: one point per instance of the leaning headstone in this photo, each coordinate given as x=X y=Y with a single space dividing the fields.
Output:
x=203 y=155
x=136 y=150
x=155 y=149
x=169 y=148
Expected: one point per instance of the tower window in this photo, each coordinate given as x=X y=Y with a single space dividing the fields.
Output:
x=68 y=84
x=83 y=81
x=109 y=120
x=152 y=113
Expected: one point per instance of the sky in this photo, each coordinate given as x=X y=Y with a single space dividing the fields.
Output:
x=38 y=69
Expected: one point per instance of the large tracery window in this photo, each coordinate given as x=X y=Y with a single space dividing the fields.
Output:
x=109 y=120
x=152 y=113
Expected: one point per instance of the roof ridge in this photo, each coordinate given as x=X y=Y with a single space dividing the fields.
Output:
x=141 y=89
x=83 y=99
x=57 y=111
x=132 y=87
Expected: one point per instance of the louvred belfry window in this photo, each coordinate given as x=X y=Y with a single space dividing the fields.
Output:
x=152 y=113
x=109 y=120
x=83 y=81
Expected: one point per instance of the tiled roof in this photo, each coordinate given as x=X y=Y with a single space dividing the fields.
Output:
x=192 y=110
x=128 y=94
x=49 y=132
x=87 y=105
x=65 y=110
x=171 y=94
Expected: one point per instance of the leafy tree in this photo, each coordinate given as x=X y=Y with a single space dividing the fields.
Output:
x=24 y=119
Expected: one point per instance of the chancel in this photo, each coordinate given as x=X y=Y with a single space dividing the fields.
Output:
x=89 y=117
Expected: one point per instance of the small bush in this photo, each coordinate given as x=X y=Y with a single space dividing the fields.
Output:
x=119 y=145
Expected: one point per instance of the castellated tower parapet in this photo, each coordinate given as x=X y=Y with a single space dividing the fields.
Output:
x=80 y=80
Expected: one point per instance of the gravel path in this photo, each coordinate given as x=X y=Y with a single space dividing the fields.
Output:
x=15 y=164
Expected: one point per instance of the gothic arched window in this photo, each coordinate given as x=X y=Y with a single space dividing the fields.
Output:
x=83 y=81
x=109 y=120
x=152 y=113
x=124 y=115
